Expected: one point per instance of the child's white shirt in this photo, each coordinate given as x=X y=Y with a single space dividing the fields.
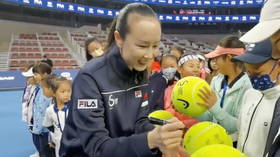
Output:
x=56 y=119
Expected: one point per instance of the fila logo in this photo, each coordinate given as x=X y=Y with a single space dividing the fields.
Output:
x=87 y=103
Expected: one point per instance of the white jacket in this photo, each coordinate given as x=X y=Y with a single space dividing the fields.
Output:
x=255 y=120
x=27 y=103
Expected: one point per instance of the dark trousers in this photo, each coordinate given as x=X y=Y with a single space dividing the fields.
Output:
x=42 y=145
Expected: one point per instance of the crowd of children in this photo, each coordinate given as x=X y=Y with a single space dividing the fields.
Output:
x=44 y=107
x=234 y=87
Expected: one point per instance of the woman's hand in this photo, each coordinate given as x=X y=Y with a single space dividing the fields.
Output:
x=167 y=137
x=208 y=96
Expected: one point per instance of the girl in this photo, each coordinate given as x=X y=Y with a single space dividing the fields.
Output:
x=59 y=88
x=177 y=52
x=30 y=91
x=214 y=69
x=188 y=66
x=93 y=49
x=160 y=81
x=229 y=86
x=40 y=104
x=109 y=105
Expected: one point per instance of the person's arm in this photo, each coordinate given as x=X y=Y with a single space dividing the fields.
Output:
x=91 y=128
x=48 y=122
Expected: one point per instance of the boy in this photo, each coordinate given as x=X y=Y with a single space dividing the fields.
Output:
x=260 y=103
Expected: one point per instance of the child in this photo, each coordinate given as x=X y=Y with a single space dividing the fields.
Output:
x=177 y=52
x=60 y=90
x=158 y=82
x=40 y=134
x=224 y=102
x=204 y=71
x=188 y=66
x=214 y=69
x=29 y=94
x=259 y=105
x=28 y=90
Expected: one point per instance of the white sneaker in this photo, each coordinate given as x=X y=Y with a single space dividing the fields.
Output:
x=35 y=155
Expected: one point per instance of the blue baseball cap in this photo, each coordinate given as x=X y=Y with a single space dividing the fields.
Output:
x=256 y=53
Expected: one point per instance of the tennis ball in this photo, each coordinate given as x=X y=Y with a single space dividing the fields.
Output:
x=185 y=96
x=203 y=134
x=161 y=114
x=218 y=150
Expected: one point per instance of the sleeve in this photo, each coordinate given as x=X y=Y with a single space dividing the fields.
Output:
x=207 y=116
x=229 y=120
x=90 y=124
x=24 y=111
x=157 y=86
x=143 y=124
x=47 y=122
x=240 y=117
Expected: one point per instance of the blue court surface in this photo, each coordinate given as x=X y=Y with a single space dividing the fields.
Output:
x=16 y=141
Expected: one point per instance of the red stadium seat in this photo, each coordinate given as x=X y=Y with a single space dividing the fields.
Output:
x=61 y=55
x=22 y=55
x=38 y=55
x=30 y=55
x=22 y=63
x=13 y=69
x=14 y=63
x=67 y=56
x=65 y=62
x=57 y=63
x=65 y=50
x=73 y=62
x=54 y=55
x=31 y=62
x=14 y=49
x=14 y=55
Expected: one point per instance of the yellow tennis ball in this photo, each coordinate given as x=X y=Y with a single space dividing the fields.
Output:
x=203 y=134
x=218 y=150
x=161 y=114
x=185 y=96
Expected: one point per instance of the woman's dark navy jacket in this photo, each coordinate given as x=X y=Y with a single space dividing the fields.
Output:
x=107 y=116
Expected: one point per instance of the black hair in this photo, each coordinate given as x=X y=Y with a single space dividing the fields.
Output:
x=54 y=84
x=48 y=61
x=209 y=64
x=53 y=81
x=42 y=68
x=168 y=56
x=120 y=23
x=181 y=50
x=231 y=41
x=87 y=43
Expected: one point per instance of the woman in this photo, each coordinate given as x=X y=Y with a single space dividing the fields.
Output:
x=108 y=114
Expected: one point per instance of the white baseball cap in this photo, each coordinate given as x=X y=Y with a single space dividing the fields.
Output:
x=28 y=73
x=268 y=25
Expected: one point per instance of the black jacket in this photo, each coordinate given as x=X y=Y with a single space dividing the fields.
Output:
x=273 y=142
x=108 y=113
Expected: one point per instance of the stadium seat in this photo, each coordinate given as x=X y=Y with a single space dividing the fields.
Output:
x=14 y=63
x=73 y=62
x=22 y=63
x=61 y=55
